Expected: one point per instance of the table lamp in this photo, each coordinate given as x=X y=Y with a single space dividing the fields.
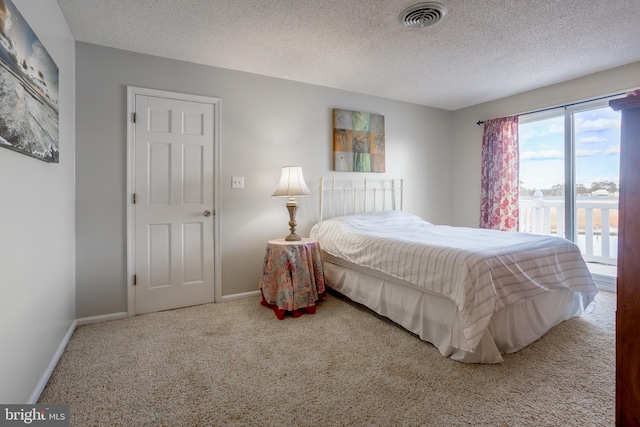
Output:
x=291 y=185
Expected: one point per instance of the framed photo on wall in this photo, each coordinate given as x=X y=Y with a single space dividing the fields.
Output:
x=358 y=141
x=28 y=89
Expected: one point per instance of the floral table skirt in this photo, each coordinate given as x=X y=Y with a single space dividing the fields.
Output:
x=292 y=277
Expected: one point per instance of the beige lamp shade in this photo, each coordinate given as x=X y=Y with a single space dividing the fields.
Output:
x=291 y=183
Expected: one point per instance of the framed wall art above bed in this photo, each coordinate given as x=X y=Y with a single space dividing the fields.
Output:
x=358 y=141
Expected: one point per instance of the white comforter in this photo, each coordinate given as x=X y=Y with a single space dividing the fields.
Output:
x=480 y=270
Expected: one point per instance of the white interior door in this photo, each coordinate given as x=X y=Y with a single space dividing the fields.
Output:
x=174 y=203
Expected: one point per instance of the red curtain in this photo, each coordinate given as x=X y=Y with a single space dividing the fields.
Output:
x=499 y=197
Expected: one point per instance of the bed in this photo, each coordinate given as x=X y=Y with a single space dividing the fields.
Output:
x=474 y=294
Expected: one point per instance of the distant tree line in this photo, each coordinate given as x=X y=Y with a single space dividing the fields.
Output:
x=581 y=190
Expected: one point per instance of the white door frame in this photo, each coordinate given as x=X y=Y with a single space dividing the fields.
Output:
x=132 y=91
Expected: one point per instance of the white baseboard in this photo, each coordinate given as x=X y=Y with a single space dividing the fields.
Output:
x=240 y=295
x=44 y=379
x=37 y=391
x=605 y=283
x=101 y=318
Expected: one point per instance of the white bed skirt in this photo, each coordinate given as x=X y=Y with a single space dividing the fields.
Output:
x=436 y=319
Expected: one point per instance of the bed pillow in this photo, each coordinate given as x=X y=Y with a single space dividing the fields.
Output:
x=381 y=220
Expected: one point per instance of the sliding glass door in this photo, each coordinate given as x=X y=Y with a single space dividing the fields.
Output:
x=542 y=174
x=597 y=172
x=569 y=169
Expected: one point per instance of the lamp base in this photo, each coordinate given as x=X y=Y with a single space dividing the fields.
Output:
x=293 y=237
x=292 y=207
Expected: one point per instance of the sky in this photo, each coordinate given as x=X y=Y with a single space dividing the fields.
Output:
x=597 y=149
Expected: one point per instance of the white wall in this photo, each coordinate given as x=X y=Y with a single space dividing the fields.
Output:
x=266 y=123
x=467 y=136
x=37 y=270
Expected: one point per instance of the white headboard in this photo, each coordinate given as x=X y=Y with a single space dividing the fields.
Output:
x=345 y=196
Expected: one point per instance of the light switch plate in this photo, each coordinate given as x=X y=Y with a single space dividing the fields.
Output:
x=237 y=182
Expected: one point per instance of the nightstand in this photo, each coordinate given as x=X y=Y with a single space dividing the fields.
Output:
x=292 y=278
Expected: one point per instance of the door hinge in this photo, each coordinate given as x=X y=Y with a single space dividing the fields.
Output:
x=135 y=279
x=134 y=117
x=133 y=199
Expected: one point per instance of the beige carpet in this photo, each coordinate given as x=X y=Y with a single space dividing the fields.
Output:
x=234 y=363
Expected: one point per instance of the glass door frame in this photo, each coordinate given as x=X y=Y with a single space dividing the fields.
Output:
x=570 y=211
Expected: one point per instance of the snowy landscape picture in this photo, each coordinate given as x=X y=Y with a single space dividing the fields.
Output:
x=28 y=89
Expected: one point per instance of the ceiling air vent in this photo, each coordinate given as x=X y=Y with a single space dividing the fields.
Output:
x=422 y=15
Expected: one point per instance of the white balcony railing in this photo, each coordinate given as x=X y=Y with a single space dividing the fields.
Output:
x=597 y=224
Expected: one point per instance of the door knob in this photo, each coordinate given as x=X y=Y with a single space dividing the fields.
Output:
x=207 y=213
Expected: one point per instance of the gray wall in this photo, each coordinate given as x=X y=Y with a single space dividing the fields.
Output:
x=266 y=123
x=37 y=271
x=467 y=136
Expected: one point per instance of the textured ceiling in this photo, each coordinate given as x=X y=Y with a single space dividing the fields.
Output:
x=482 y=50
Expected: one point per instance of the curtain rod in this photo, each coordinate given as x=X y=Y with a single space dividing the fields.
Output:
x=479 y=122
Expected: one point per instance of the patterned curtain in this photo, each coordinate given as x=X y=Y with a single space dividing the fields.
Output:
x=499 y=197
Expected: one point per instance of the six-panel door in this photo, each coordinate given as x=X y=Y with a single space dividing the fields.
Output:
x=174 y=203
